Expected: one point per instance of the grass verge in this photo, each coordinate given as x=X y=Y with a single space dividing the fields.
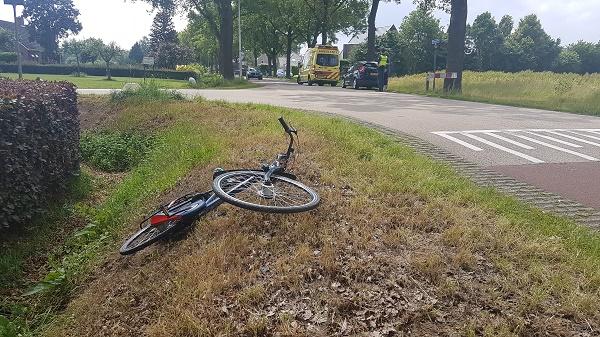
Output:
x=100 y=82
x=401 y=244
x=547 y=90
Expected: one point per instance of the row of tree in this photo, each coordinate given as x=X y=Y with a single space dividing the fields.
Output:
x=498 y=46
x=275 y=27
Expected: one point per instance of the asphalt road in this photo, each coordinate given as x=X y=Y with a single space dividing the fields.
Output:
x=559 y=152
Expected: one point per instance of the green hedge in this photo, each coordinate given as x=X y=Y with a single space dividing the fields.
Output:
x=95 y=70
x=8 y=57
x=39 y=146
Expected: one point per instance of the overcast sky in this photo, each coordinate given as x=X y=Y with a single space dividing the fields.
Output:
x=126 y=22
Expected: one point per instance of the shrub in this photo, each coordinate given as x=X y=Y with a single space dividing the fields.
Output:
x=114 y=151
x=198 y=69
x=149 y=91
x=39 y=145
x=95 y=70
x=8 y=57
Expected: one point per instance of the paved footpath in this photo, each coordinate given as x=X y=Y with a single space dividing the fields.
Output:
x=557 y=152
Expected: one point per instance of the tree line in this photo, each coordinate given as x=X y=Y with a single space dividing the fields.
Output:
x=498 y=46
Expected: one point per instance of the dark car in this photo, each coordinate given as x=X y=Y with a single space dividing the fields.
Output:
x=362 y=74
x=254 y=73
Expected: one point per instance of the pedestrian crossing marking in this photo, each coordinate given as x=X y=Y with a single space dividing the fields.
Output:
x=560 y=140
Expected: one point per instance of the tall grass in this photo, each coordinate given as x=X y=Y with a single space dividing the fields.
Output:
x=545 y=90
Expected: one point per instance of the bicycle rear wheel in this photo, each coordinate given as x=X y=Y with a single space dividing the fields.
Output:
x=246 y=189
x=148 y=235
x=180 y=213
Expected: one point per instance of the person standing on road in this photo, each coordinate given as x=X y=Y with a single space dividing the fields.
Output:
x=382 y=70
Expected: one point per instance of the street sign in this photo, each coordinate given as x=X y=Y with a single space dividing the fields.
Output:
x=15 y=2
x=148 y=61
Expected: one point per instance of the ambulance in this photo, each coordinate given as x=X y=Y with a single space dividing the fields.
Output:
x=321 y=65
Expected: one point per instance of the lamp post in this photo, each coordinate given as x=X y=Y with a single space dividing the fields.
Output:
x=14 y=4
x=240 y=35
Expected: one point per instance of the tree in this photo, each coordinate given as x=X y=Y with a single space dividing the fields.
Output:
x=488 y=41
x=91 y=50
x=332 y=16
x=417 y=30
x=164 y=40
x=163 y=30
x=203 y=43
x=589 y=56
x=6 y=41
x=108 y=53
x=455 y=60
x=506 y=25
x=74 y=48
x=372 y=29
x=50 y=21
x=568 y=62
x=136 y=54
x=530 y=34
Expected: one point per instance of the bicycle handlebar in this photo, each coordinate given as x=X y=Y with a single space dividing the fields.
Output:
x=286 y=127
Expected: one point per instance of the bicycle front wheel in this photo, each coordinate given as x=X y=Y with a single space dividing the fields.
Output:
x=247 y=189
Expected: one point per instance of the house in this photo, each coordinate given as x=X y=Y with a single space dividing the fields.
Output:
x=30 y=51
x=362 y=38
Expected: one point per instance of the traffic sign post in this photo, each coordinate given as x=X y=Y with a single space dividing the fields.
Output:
x=14 y=4
x=147 y=62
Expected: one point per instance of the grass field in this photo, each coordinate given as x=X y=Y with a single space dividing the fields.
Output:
x=399 y=244
x=100 y=82
x=552 y=91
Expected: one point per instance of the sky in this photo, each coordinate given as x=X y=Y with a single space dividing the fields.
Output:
x=125 y=22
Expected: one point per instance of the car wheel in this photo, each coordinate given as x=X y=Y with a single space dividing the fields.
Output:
x=355 y=84
x=260 y=78
x=298 y=80
x=320 y=84
x=334 y=84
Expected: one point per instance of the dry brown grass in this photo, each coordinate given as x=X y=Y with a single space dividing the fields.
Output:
x=379 y=255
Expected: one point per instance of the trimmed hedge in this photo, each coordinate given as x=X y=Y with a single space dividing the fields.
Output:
x=8 y=57
x=94 y=70
x=39 y=146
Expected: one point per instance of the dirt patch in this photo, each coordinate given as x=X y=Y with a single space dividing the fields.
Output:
x=96 y=112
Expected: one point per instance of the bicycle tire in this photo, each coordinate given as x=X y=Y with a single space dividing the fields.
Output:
x=232 y=196
x=127 y=248
x=181 y=206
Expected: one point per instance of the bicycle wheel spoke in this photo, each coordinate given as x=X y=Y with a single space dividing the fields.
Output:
x=247 y=189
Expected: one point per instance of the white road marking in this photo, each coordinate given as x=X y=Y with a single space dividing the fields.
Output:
x=508 y=140
x=578 y=138
x=553 y=139
x=574 y=138
x=584 y=135
x=505 y=149
x=584 y=156
x=458 y=141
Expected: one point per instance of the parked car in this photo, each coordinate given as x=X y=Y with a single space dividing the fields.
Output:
x=280 y=73
x=254 y=73
x=362 y=74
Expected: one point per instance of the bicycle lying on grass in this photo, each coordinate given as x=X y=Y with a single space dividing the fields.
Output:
x=270 y=190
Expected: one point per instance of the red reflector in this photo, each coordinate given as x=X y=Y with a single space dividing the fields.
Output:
x=160 y=219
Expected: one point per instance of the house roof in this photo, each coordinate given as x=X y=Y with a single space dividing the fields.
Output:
x=362 y=37
x=23 y=35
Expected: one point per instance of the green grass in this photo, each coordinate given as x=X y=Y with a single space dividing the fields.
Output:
x=199 y=134
x=547 y=90
x=100 y=82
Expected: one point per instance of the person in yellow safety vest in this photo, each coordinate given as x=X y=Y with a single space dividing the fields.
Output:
x=382 y=71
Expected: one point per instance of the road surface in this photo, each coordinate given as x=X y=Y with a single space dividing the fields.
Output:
x=558 y=152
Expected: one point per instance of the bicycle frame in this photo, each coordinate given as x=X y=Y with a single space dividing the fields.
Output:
x=210 y=201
